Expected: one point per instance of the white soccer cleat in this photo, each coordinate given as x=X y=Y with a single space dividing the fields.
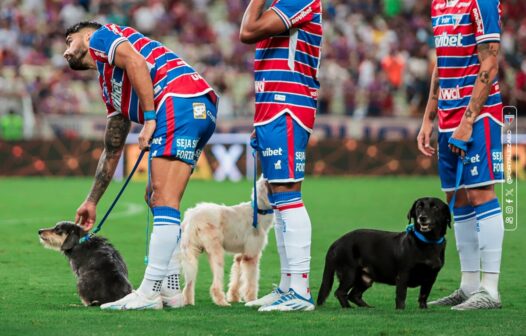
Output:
x=289 y=301
x=134 y=301
x=453 y=299
x=479 y=300
x=267 y=299
x=174 y=301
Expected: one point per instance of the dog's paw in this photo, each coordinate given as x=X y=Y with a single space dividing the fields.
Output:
x=233 y=297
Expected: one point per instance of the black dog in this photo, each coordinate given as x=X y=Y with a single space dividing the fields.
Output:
x=407 y=259
x=101 y=273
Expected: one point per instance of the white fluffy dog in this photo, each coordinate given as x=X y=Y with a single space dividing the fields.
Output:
x=217 y=229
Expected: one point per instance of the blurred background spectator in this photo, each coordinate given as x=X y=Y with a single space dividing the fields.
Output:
x=376 y=62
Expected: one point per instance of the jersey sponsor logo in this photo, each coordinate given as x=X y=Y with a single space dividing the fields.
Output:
x=453 y=19
x=100 y=54
x=116 y=94
x=314 y=94
x=272 y=152
x=478 y=20
x=199 y=110
x=301 y=15
x=196 y=76
x=260 y=86
x=449 y=93
x=445 y=40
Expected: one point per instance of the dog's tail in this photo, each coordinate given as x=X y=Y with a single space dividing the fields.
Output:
x=328 y=276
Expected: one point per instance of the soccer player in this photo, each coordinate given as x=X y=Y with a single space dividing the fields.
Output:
x=144 y=82
x=288 y=37
x=465 y=95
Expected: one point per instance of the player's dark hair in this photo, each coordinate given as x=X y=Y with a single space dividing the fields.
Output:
x=81 y=25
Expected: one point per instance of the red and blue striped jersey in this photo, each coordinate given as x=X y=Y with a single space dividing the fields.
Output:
x=171 y=76
x=458 y=26
x=286 y=65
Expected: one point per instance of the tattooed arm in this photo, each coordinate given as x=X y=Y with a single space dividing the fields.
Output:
x=489 y=67
x=117 y=129
x=426 y=130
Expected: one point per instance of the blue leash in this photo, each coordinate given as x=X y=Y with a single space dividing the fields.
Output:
x=255 y=201
x=147 y=242
x=97 y=229
x=463 y=145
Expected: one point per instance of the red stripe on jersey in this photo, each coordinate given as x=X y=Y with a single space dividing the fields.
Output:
x=308 y=49
x=290 y=145
x=445 y=73
x=266 y=111
x=487 y=134
x=170 y=126
x=281 y=64
x=140 y=43
x=287 y=87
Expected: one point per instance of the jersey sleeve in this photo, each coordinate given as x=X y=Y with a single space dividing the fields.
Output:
x=103 y=43
x=294 y=13
x=485 y=15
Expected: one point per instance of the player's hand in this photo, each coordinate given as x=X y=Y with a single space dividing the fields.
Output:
x=424 y=137
x=86 y=214
x=146 y=134
x=463 y=132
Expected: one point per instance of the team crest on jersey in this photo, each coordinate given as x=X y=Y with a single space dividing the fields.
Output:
x=199 y=110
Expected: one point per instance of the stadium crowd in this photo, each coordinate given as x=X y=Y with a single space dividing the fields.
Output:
x=377 y=55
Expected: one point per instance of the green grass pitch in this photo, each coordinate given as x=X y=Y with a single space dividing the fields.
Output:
x=38 y=294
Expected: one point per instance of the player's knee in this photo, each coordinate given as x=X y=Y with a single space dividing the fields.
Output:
x=461 y=198
x=478 y=196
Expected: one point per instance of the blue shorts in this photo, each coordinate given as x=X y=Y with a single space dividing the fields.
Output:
x=484 y=157
x=184 y=126
x=281 y=146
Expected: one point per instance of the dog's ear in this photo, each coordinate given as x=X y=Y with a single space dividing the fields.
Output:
x=411 y=215
x=71 y=240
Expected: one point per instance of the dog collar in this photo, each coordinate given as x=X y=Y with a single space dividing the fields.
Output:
x=265 y=211
x=411 y=228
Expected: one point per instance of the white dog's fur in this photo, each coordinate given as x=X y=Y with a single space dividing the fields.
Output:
x=217 y=229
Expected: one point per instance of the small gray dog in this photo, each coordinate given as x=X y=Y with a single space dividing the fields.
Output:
x=101 y=273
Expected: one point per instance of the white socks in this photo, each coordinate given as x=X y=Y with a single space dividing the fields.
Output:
x=164 y=240
x=296 y=240
x=279 y=228
x=491 y=236
x=467 y=239
x=172 y=280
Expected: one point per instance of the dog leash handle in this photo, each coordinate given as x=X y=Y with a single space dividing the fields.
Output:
x=99 y=226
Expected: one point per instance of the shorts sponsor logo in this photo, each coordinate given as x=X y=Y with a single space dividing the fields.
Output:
x=186 y=143
x=157 y=141
x=449 y=93
x=277 y=165
x=199 y=110
x=445 y=40
x=478 y=20
x=474 y=171
x=211 y=116
x=272 y=152
x=185 y=155
x=475 y=159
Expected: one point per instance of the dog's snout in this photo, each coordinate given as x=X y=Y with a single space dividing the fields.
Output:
x=422 y=218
